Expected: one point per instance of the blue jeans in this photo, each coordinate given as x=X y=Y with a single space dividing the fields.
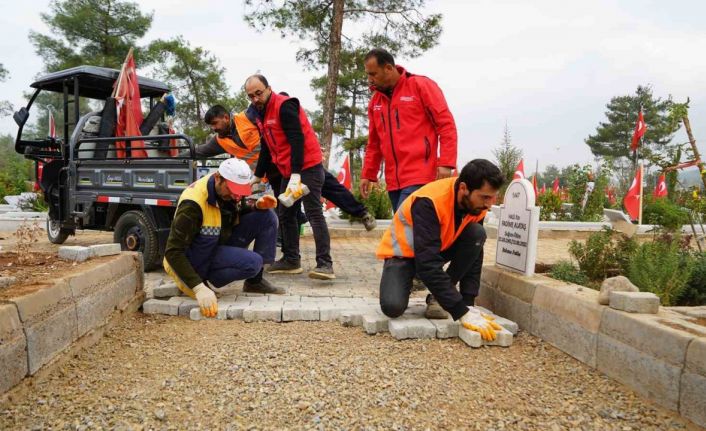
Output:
x=233 y=261
x=398 y=196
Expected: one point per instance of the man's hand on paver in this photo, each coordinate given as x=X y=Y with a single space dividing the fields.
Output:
x=266 y=202
x=207 y=300
x=476 y=321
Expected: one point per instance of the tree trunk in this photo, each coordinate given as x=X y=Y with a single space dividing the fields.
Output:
x=692 y=141
x=334 y=63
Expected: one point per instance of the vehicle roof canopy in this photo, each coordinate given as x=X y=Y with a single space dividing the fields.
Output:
x=95 y=82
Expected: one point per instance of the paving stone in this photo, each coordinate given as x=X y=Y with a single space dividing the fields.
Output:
x=223 y=311
x=187 y=305
x=317 y=299
x=99 y=250
x=503 y=338
x=403 y=328
x=332 y=312
x=375 y=323
x=48 y=336
x=161 y=306
x=235 y=311
x=7 y=281
x=74 y=253
x=290 y=298
x=13 y=344
x=195 y=314
x=255 y=299
x=351 y=318
x=692 y=402
x=505 y=323
x=263 y=312
x=445 y=328
x=471 y=338
x=293 y=311
x=166 y=290
x=615 y=284
x=635 y=302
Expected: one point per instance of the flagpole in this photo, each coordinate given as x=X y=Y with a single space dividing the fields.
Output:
x=639 y=218
x=122 y=69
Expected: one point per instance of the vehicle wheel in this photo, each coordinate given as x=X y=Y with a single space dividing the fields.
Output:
x=136 y=232
x=55 y=233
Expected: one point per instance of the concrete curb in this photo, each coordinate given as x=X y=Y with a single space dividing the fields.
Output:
x=37 y=328
x=660 y=356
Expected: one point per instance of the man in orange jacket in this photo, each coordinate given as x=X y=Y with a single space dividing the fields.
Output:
x=439 y=223
x=410 y=128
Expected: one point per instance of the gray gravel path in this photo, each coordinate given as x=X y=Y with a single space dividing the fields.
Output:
x=171 y=373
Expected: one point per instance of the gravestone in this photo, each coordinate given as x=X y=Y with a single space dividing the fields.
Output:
x=517 y=229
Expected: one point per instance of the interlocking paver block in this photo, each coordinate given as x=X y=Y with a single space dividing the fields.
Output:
x=317 y=299
x=505 y=323
x=635 y=302
x=74 y=253
x=503 y=338
x=160 y=306
x=445 y=328
x=263 y=312
x=351 y=318
x=235 y=311
x=374 y=323
x=329 y=312
x=403 y=328
x=471 y=338
x=186 y=306
x=292 y=311
x=99 y=250
x=166 y=290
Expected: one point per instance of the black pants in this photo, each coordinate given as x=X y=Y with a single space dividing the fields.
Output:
x=466 y=261
x=314 y=179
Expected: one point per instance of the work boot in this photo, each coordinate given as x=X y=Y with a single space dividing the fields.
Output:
x=322 y=272
x=263 y=286
x=418 y=285
x=434 y=310
x=284 y=266
x=369 y=221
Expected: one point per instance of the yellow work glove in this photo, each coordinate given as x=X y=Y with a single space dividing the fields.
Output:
x=266 y=202
x=476 y=321
x=294 y=186
x=207 y=300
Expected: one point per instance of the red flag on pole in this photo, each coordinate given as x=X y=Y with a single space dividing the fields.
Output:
x=519 y=171
x=344 y=178
x=640 y=129
x=661 y=188
x=129 y=111
x=544 y=188
x=555 y=186
x=632 y=198
x=534 y=185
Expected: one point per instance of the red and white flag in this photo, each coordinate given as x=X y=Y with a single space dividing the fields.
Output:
x=640 y=129
x=632 y=197
x=534 y=185
x=661 y=187
x=129 y=111
x=519 y=171
x=344 y=178
x=555 y=186
x=52 y=125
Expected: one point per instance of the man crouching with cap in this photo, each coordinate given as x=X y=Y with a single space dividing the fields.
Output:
x=213 y=226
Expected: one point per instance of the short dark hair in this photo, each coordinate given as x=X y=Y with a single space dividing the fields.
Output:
x=480 y=171
x=214 y=112
x=260 y=78
x=382 y=56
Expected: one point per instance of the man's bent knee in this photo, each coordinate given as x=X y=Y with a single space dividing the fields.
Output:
x=392 y=309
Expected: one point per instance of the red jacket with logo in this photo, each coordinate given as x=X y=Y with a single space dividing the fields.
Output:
x=413 y=132
x=277 y=143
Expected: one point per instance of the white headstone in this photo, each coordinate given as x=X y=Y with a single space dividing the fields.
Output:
x=517 y=229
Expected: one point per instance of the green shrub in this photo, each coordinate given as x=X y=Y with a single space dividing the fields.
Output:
x=661 y=267
x=604 y=254
x=564 y=270
x=664 y=213
x=550 y=207
x=378 y=203
x=695 y=292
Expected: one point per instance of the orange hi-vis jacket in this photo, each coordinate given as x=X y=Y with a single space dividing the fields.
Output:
x=398 y=240
x=245 y=141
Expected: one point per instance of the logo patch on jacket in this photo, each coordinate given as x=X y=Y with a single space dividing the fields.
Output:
x=377 y=107
x=406 y=98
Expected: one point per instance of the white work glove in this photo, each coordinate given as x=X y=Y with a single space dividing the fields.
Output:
x=476 y=321
x=294 y=187
x=207 y=300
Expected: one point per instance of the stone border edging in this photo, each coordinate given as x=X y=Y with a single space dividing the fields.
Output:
x=36 y=328
x=660 y=356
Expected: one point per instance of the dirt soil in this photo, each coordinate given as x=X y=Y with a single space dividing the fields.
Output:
x=159 y=372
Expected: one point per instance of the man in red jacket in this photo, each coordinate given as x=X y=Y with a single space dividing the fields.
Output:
x=410 y=128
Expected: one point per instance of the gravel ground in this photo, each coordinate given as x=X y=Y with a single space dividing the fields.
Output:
x=172 y=373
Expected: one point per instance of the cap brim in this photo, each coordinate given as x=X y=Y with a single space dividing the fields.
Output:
x=239 y=189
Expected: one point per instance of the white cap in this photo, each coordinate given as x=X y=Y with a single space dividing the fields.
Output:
x=237 y=175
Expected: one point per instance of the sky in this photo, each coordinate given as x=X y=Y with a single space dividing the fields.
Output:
x=545 y=68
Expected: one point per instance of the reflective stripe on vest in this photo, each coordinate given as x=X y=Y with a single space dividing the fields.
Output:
x=398 y=239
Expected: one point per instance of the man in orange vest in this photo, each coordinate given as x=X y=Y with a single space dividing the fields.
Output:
x=439 y=223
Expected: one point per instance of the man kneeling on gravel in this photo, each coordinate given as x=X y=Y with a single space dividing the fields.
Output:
x=439 y=223
x=213 y=226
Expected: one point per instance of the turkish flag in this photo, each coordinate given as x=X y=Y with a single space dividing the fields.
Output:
x=632 y=198
x=344 y=178
x=129 y=111
x=661 y=188
x=534 y=185
x=555 y=186
x=640 y=129
x=519 y=171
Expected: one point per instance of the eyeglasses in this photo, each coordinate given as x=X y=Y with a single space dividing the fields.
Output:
x=257 y=93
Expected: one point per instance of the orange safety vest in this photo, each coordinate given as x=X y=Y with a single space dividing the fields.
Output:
x=398 y=240
x=245 y=142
